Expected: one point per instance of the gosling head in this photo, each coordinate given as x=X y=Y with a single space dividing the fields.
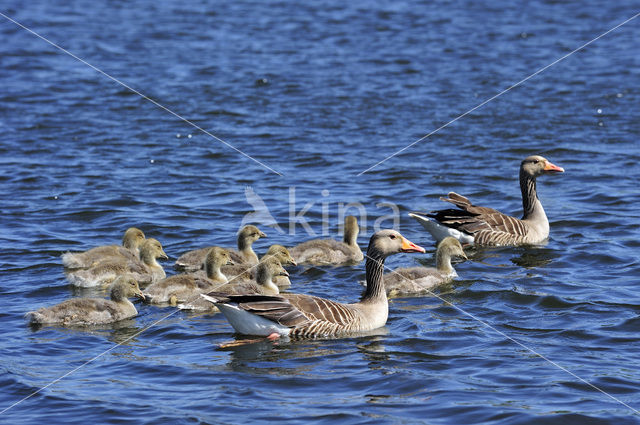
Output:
x=451 y=247
x=152 y=249
x=282 y=254
x=125 y=286
x=267 y=270
x=133 y=238
x=217 y=257
x=250 y=233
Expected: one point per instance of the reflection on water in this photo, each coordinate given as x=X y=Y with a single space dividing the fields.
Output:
x=534 y=257
x=121 y=332
x=125 y=332
x=523 y=256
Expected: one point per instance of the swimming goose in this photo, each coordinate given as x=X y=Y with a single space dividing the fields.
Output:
x=184 y=287
x=268 y=269
x=145 y=271
x=131 y=242
x=485 y=226
x=308 y=316
x=415 y=280
x=329 y=251
x=248 y=272
x=192 y=260
x=92 y=311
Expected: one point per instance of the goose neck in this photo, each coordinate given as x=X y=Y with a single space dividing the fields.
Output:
x=117 y=294
x=213 y=272
x=529 y=193
x=443 y=262
x=244 y=244
x=374 y=270
x=350 y=236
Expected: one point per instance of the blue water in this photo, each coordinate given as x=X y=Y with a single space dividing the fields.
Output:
x=319 y=93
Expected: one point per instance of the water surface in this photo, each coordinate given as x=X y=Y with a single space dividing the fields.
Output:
x=320 y=93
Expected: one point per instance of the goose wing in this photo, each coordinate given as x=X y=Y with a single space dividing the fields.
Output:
x=290 y=310
x=486 y=224
x=274 y=308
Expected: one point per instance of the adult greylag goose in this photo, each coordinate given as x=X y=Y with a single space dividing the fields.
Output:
x=192 y=260
x=485 y=226
x=92 y=311
x=248 y=272
x=131 y=241
x=329 y=251
x=416 y=280
x=308 y=316
x=185 y=287
x=264 y=284
x=145 y=271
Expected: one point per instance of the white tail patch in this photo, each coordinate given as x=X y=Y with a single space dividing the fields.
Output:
x=440 y=231
x=247 y=323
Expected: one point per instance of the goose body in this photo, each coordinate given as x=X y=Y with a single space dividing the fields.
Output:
x=186 y=287
x=91 y=311
x=329 y=251
x=472 y=224
x=308 y=316
x=132 y=240
x=146 y=270
x=417 y=280
x=193 y=260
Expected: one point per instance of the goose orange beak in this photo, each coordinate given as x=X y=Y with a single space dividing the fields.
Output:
x=551 y=167
x=408 y=246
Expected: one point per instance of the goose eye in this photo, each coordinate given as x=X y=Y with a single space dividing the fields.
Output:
x=392 y=236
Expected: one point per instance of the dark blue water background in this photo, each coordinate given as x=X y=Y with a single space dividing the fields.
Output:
x=320 y=92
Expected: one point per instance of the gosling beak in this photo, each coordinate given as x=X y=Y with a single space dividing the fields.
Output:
x=549 y=167
x=408 y=246
x=464 y=257
x=283 y=272
x=163 y=255
x=262 y=235
x=141 y=296
x=230 y=262
x=292 y=262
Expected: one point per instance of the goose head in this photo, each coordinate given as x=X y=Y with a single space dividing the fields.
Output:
x=535 y=165
x=351 y=230
x=133 y=238
x=451 y=247
x=267 y=270
x=387 y=242
x=125 y=286
x=150 y=250
x=248 y=235
x=448 y=248
x=216 y=258
x=282 y=254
